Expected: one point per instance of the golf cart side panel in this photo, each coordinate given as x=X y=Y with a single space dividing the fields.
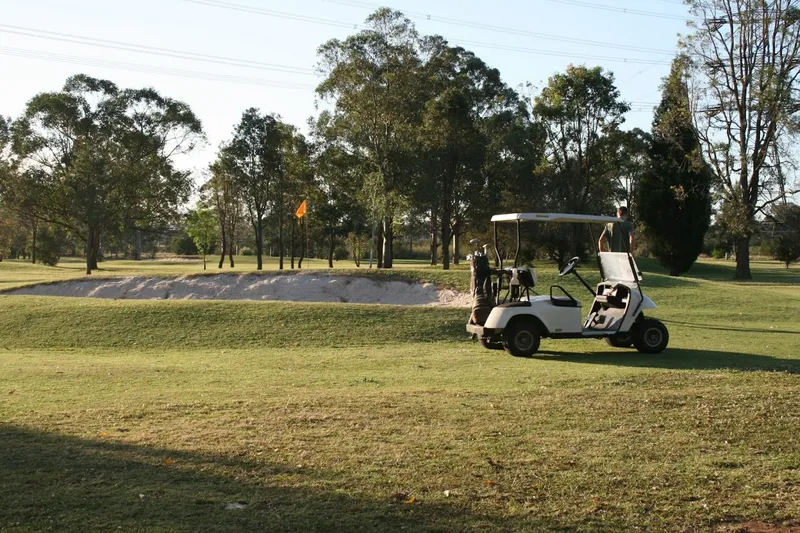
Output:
x=638 y=302
x=555 y=319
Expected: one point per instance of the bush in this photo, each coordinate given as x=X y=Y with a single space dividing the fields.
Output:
x=247 y=251
x=718 y=253
x=182 y=244
x=49 y=242
x=341 y=253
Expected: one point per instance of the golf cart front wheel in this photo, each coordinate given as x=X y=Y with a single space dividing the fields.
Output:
x=651 y=336
x=521 y=339
x=621 y=340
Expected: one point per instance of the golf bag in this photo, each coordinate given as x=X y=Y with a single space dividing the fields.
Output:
x=481 y=288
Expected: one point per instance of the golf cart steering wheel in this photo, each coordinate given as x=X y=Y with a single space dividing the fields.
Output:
x=569 y=267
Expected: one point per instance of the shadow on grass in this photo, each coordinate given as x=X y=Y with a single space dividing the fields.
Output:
x=695 y=325
x=678 y=359
x=52 y=481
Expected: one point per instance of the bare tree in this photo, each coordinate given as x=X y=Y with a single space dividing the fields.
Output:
x=745 y=67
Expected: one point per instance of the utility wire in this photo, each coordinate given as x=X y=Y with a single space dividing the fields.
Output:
x=150 y=69
x=615 y=9
x=152 y=50
x=503 y=29
x=537 y=51
x=317 y=20
x=272 y=13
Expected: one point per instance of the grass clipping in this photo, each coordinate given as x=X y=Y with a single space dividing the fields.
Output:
x=306 y=287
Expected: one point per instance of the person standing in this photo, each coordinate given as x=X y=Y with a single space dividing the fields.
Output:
x=621 y=235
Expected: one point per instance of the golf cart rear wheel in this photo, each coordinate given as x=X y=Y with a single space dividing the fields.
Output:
x=489 y=345
x=623 y=340
x=651 y=336
x=521 y=339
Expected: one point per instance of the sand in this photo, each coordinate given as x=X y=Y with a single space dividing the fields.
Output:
x=312 y=287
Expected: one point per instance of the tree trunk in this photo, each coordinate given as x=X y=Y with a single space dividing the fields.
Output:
x=138 y=245
x=434 y=242
x=33 y=250
x=303 y=244
x=93 y=249
x=377 y=244
x=743 y=259
x=224 y=247
x=331 y=243
x=281 y=251
x=259 y=246
x=388 y=243
x=204 y=260
x=456 y=243
x=90 y=261
x=291 y=245
x=232 y=244
x=445 y=222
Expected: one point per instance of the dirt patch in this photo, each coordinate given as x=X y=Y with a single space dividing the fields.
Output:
x=289 y=288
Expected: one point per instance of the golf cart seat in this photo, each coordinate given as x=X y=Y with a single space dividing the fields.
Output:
x=563 y=301
x=612 y=296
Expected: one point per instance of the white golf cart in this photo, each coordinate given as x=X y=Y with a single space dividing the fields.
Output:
x=506 y=316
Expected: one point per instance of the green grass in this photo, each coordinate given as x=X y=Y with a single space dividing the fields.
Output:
x=153 y=415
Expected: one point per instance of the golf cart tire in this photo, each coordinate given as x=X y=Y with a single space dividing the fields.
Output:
x=624 y=340
x=521 y=338
x=489 y=345
x=651 y=336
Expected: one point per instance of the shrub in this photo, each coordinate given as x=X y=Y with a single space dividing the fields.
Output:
x=49 y=242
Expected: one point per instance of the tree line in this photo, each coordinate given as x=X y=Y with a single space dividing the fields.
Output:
x=419 y=136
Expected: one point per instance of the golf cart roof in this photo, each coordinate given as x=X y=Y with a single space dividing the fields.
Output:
x=553 y=217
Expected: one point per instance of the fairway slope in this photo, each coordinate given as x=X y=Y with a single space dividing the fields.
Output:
x=303 y=287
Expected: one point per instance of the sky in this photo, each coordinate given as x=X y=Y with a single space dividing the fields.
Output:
x=273 y=45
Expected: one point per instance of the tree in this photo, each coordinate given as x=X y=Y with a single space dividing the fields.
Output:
x=581 y=113
x=95 y=158
x=202 y=225
x=373 y=81
x=746 y=63
x=293 y=180
x=464 y=92
x=224 y=198
x=336 y=195
x=253 y=158
x=786 y=241
x=675 y=195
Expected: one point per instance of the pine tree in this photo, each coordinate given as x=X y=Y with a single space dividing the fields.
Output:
x=675 y=195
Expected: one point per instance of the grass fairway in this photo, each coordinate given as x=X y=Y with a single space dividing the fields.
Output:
x=155 y=415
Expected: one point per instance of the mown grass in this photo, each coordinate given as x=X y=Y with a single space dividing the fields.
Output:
x=155 y=415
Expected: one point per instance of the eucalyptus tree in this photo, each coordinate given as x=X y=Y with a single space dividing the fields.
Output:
x=580 y=112
x=224 y=197
x=746 y=103
x=253 y=158
x=464 y=93
x=373 y=83
x=95 y=158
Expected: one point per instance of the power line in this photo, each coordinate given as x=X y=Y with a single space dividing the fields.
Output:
x=536 y=51
x=614 y=9
x=503 y=29
x=152 y=50
x=150 y=69
x=317 y=20
x=272 y=13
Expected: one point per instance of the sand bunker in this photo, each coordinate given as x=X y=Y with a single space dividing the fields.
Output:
x=289 y=288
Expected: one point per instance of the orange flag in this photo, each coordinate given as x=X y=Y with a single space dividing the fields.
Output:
x=301 y=211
